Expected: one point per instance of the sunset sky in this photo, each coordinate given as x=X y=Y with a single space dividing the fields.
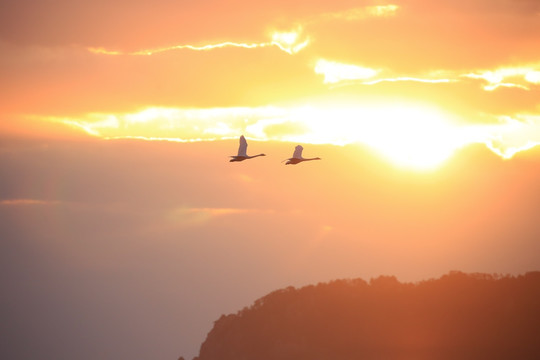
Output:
x=125 y=231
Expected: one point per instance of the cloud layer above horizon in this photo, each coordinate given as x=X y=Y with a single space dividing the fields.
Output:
x=212 y=70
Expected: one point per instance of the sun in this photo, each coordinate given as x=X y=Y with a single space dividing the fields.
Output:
x=409 y=136
x=417 y=138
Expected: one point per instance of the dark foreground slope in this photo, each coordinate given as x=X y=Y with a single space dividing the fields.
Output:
x=459 y=316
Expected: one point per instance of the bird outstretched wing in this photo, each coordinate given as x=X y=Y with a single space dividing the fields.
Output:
x=242 y=149
x=298 y=152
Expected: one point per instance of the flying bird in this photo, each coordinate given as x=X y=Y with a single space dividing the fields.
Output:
x=297 y=156
x=242 y=151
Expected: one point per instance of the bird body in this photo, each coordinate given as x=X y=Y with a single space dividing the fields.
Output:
x=242 y=151
x=297 y=156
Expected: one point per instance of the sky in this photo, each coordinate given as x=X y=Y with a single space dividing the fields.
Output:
x=125 y=231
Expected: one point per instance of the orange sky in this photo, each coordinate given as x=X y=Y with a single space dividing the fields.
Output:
x=193 y=66
x=426 y=115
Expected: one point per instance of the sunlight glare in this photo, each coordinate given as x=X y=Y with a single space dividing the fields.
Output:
x=413 y=138
x=410 y=137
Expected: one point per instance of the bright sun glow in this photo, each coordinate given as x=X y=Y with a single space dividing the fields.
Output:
x=411 y=136
x=414 y=138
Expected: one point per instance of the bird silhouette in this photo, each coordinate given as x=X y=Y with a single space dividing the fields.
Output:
x=297 y=156
x=242 y=151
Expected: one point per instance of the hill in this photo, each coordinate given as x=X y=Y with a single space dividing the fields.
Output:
x=458 y=316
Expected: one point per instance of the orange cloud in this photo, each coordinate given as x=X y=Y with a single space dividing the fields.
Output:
x=335 y=72
x=194 y=216
x=414 y=136
x=24 y=202
x=519 y=77
x=406 y=78
x=290 y=42
x=357 y=13
x=215 y=211
x=514 y=134
x=511 y=77
x=347 y=74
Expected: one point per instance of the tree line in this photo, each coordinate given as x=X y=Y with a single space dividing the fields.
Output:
x=458 y=316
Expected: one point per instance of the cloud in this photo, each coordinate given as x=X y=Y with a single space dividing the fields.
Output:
x=335 y=72
x=203 y=94
x=178 y=124
x=290 y=42
x=521 y=77
x=509 y=76
x=405 y=78
x=514 y=134
x=196 y=216
x=358 y=13
x=26 y=202
x=403 y=132
x=382 y=10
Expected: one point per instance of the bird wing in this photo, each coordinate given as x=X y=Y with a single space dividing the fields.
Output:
x=242 y=149
x=298 y=152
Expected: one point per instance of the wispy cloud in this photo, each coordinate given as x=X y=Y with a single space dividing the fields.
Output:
x=514 y=134
x=342 y=74
x=406 y=78
x=178 y=124
x=26 y=202
x=335 y=72
x=518 y=77
x=213 y=211
x=358 y=13
x=195 y=216
x=290 y=42
x=382 y=10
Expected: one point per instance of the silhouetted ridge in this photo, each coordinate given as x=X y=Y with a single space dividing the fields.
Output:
x=459 y=316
